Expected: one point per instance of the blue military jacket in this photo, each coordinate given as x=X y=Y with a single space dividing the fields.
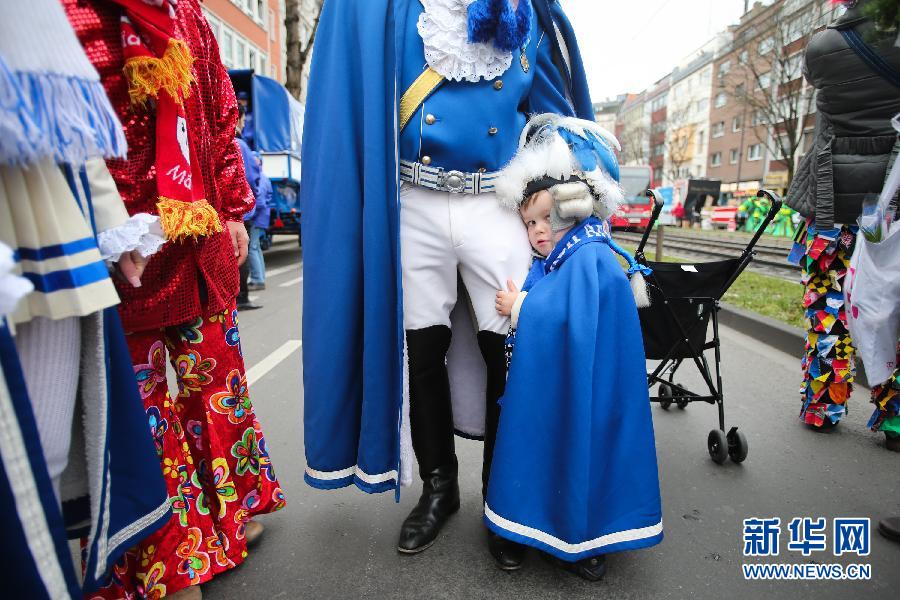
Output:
x=467 y=126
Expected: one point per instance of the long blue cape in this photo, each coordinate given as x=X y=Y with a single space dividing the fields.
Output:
x=352 y=300
x=574 y=471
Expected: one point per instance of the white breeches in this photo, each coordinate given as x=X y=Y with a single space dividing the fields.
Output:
x=444 y=234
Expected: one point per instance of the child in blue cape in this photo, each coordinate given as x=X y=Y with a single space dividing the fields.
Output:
x=574 y=472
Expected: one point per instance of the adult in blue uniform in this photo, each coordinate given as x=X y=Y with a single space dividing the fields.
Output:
x=413 y=108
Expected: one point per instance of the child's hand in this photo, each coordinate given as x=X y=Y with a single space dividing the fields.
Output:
x=506 y=299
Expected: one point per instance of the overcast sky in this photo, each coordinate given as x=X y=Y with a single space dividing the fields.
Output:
x=629 y=44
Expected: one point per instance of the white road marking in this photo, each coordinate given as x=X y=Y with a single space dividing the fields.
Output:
x=291 y=282
x=259 y=370
x=281 y=270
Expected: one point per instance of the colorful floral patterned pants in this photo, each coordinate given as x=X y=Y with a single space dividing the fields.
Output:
x=212 y=454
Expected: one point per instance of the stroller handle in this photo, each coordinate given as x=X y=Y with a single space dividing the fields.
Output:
x=657 y=208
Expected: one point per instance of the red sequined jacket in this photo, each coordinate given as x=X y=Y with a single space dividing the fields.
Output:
x=190 y=278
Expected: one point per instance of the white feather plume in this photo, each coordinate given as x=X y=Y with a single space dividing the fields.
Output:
x=607 y=193
x=639 y=289
x=551 y=159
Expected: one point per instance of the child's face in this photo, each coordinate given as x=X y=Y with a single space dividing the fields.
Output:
x=537 y=220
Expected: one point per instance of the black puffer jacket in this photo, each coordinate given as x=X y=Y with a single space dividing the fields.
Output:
x=854 y=139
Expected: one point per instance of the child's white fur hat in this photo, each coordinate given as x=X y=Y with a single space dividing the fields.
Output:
x=569 y=157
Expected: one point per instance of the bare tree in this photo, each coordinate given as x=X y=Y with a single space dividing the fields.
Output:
x=293 y=66
x=679 y=140
x=768 y=82
x=632 y=139
x=298 y=52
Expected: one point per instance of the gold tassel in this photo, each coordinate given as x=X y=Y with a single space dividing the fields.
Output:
x=180 y=220
x=147 y=75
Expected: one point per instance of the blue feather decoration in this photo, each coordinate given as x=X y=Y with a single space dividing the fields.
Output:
x=591 y=152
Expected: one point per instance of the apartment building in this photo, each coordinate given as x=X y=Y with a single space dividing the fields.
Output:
x=606 y=111
x=687 y=116
x=657 y=103
x=250 y=34
x=633 y=130
x=737 y=129
x=761 y=116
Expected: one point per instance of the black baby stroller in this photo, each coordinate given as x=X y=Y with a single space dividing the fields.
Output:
x=684 y=298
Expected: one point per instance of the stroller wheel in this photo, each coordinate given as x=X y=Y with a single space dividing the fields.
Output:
x=717 y=445
x=737 y=445
x=665 y=396
x=682 y=402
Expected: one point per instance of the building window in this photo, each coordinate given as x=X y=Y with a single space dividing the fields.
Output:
x=766 y=46
x=743 y=56
x=759 y=118
x=797 y=28
x=715 y=159
x=721 y=99
x=733 y=156
x=236 y=50
x=702 y=106
x=700 y=138
x=765 y=81
x=216 y=29
x=782 y=143
x=718 y=129
x=736 y=124
x=724 y=68
x=754 y=152
x=792 y=67
x=227 y=48
x=240 y=51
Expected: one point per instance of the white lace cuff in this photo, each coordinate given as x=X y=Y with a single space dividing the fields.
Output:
x=12 y=287
x=141 y=232
x=444 y=30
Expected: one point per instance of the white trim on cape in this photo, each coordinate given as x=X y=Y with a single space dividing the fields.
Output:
x=609 y=539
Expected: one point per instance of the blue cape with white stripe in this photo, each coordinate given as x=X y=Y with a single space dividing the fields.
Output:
x=574 y=471
x=352 y=301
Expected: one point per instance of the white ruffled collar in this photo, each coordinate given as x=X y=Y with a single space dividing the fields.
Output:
x=444 y=29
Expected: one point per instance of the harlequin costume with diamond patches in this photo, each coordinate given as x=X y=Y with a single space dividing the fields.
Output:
x=160 y=65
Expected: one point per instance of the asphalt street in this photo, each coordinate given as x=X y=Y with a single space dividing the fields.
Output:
x=342 y=544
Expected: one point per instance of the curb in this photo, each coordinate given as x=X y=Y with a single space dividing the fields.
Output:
x=781 y=336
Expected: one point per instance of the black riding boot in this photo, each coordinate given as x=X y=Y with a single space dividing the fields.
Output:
x=508 y=555
x=431 y=424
